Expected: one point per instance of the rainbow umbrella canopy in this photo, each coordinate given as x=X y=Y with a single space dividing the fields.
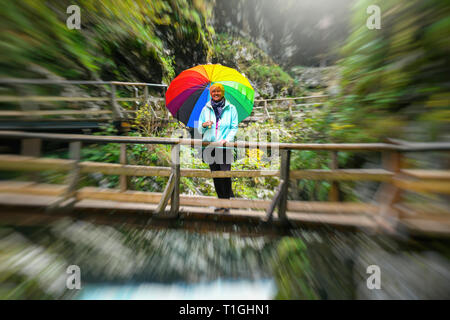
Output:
x=189 y=92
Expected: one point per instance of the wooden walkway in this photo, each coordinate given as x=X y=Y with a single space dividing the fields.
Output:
x=29 y=202
x=52 y=113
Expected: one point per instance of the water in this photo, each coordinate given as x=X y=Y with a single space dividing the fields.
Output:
x=119 y=263
x=221 y=289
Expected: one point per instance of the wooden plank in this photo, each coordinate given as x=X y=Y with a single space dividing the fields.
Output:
x=185 y=200
x=20 y=187
x=243 y=144
x=332 y=207
x=115 y=194
x=122 y=83
x=154 y=197
x=426 y=207
x=193 y=142
x=52 y=113
x=275 y=202
x=13 y=162
x=31 y=148
x=429 y=227
x=334 y=190
x=418 y=146
x=166 y=195
x=389 y=194
x=294 y=98
x=430 y=212
x=77 y=82
x=58 y=99
x=205 y=173
x=336 y=220
x=175 y=197
x=429 y=186
x=343 y=174
x=427 y=174
x=7 y=184
x=135 y=170
x=49 y=98
x=21 y=163
x=121 y=169
x=145 y=96
x=123 y=161
x=299 y=146
x=88 y=138
x=74 y=174
x=28 y=200
x=265 y=109
x=309 y=104
x=68 y=198
x=284 y=176
x=115 y=107
x=30 y=213
x=207 y=201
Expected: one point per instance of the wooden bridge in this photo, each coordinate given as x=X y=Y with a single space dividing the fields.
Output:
x=63 y=112
x=392 y=211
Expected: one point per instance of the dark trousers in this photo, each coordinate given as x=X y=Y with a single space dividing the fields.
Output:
x=220 y=163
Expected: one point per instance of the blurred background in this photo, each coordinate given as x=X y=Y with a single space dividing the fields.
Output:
x=371 y=85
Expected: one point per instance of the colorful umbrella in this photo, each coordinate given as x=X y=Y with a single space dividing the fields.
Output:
x=189 y=92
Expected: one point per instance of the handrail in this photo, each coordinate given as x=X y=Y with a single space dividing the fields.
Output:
x=118 y=112
x=410 y=147
x=197 y=142
x=292 y=98
x=47 y=81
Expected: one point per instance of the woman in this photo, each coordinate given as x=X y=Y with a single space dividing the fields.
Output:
x=219 y=123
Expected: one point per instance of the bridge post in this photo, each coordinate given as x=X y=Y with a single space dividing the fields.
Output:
x=175 y=199
x=172 y=189
x=334 y=191
x=265 y=109
x=115 y=107
x=31 y=148
x=389 y=194
x=123 y=160
x=67 y=200
x=145 y=96
x=284 y=176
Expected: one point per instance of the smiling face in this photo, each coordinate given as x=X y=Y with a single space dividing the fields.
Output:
x=216 y=93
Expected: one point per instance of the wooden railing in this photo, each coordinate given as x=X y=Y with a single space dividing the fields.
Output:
x=115 y=111
x=262 y=107
x=387 y=213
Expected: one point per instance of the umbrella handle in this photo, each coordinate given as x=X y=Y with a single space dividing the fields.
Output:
x=209 y=126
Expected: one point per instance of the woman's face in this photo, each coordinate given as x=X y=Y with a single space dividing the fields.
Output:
x=216 y=94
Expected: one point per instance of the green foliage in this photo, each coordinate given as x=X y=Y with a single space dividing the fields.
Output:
x=129 y=40
x=274 y=74
x=293 y=271
x=395 y=78
x=258 y=67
